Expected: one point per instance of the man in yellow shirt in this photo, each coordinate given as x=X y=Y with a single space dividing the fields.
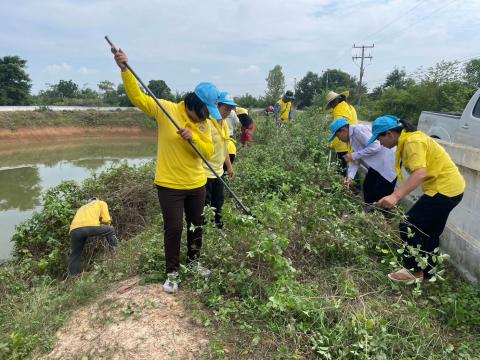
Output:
x=431 y=167
x=215 y=190
x=341 y=109
x=283 y=109
x=92 y=219
x=179 y=177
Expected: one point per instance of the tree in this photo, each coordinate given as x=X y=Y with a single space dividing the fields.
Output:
x=247 y=101
x=66 y=89
x=397 y=79
x=123 y=99
x=309 y=86
x=337 y=80
x=15 y=84
x=160 y=89
x=109 y=94
x=275 y=84
x=472 y=72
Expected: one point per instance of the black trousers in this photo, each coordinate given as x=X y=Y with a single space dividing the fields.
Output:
x=173 y=203
x=376 y=186
x=232 y=159
x=343 y=163
x=79 y=236
x=428 y=217
x=215 y=197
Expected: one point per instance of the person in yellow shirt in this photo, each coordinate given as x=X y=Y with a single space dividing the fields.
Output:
x=283 y=109
x=179 y=177
x=341 y=109
x=92 y=219
x=430 y=167
x=215 y=190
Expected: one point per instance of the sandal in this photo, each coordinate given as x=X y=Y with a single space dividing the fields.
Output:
x=405 y=276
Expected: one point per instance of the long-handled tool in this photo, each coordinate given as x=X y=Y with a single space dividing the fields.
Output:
x=244 y=208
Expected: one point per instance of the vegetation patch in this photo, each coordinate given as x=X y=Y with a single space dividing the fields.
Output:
x=304 y=278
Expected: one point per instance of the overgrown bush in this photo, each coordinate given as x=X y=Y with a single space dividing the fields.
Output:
x=44 y=239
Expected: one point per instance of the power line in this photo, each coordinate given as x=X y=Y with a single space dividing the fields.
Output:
x=395 y=20
x=401 y=31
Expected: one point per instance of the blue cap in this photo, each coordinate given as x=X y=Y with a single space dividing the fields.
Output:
x=224 y=98
x=335 y=126
x=382 y=124
x=208 y=93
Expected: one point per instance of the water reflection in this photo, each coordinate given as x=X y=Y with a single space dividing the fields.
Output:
x=20 y=188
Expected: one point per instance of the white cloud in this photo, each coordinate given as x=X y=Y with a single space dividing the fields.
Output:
x=87 y=71
x=194 y=70
x=249 y=69
x=58 y=68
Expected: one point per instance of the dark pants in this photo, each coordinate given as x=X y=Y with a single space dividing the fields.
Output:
x=173 y=202
x=77 y=243
x=376 y=186
x=343 y=162
x=428 y=217
x=232 y=159
x=215 y=197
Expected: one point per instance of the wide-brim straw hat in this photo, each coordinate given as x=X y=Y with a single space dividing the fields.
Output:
x=332 y=95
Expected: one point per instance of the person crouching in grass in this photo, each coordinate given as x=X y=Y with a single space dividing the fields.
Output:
x=91 y=219
x=380 y=161
x=430 y=167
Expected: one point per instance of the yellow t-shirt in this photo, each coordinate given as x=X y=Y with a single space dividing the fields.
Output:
x=239 y=110
x=220 y=138
x=284 y=111
x=232 y=149
x=92 y=214
x=178 y=165
x=347 y=111
x=418 y=150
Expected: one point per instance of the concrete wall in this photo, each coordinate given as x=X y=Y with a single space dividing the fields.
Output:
x=461 y=238
x=66 y=108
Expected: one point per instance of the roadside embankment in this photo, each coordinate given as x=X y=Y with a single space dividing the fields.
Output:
x=18 y=120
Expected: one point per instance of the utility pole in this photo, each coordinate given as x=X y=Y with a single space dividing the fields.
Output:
x=362 y=68
x=295 y=86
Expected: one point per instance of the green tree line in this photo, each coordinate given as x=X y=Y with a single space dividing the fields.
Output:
x=447 y=87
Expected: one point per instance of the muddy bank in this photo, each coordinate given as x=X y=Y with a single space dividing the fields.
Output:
x=36 y=135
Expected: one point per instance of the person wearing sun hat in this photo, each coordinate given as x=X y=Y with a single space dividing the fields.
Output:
x=179 y=177
x=430 y=167
x=340 y=109
x=215 y=190
x=283 y=109
x=381 y=176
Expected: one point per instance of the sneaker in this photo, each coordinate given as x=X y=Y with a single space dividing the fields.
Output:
x=171 y=283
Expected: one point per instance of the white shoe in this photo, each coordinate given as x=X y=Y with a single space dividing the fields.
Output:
x=171 y=283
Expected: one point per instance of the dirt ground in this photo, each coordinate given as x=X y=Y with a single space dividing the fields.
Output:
x=33 y=135
x=132 y=322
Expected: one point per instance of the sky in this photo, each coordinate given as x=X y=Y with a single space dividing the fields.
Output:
x=233 y=43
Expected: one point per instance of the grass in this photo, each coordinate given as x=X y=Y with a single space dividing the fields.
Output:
x=39 y=119
x=306 y=278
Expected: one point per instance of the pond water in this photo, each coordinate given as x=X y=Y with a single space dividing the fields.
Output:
x=27 y=170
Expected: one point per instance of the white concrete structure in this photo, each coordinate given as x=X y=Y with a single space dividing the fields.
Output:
x=461 y=238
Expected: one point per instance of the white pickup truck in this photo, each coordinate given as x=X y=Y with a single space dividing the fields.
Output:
x=454 y=127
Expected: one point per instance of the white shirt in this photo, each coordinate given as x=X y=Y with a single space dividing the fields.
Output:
x=373 y=156
x=233 y=122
